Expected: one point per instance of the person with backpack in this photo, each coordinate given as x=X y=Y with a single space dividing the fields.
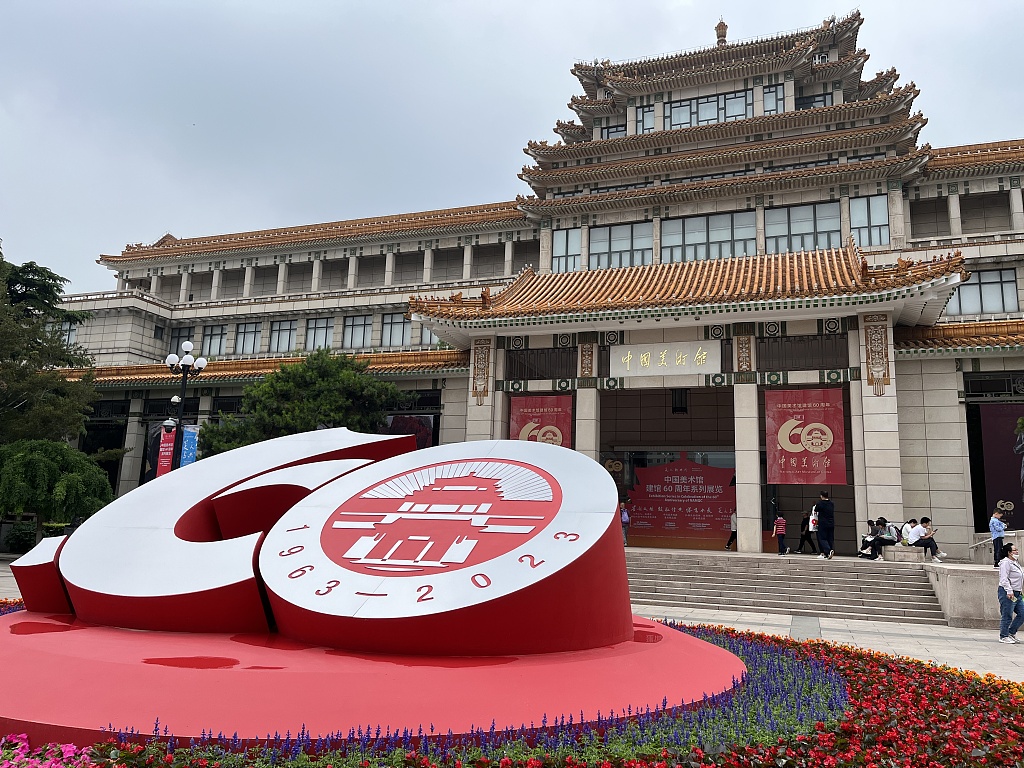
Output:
x=826 y=512
x=886 y=536
x=805 y=532
x=780 y=533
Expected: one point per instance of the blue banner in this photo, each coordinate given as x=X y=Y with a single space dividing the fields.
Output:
x=189 y=443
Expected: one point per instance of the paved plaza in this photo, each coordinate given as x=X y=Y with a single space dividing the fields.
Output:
x=974 y=649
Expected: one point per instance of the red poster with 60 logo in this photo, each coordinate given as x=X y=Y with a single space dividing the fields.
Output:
x=806 y=439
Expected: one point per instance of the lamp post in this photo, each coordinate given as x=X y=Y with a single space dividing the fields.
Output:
x=187 y=367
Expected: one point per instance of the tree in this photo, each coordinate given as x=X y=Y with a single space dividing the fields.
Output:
x=51 y=480
x=36 y=400
x=324 y=390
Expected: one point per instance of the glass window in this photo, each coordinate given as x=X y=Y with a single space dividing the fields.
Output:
x=396 y=330
x=709 y=237
x=802 y=228
x=427 y=337
x=991 y=292
x=869 y=220
x=811 y=102
x=774 y=99
x=282 y=335
x=178 y=335
x=623 y=245
x=320 y=333
x=357 y=332
x=705 y=110
x=645 y=119
x=69 y=331
x=613 y=131
x=565 y=250
x=247 y=338
x=215 y=340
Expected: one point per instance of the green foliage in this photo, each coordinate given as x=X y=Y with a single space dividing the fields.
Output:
x=51 y=480
x=36 y=400
x=324 y=390
x=20 y=538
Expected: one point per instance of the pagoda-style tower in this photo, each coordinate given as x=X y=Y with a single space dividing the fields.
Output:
x=780 y=133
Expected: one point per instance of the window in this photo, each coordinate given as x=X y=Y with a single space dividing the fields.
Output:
x=869 y=220
x=533 y=364
x=395 y=330
x=320 y=333
x=929 y=218
x=565 y=250
x=613 y=131
x=215 y=340
x=158 y=332
x=68 y=331
x=801 y=228
x=721 y=108
x=821 y=57
x=709 y=237
x=774 y=99
x=357 y=332
x=803 y=353
x=178 y=335
x=282 y=335
x=985 y=213
x=427 y=337
x=810 y=102
x=992 y=292
x=247 y=338
x=623 y=245
x=645 y=119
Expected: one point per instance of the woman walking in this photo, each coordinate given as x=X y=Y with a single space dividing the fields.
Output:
x=1011 y=584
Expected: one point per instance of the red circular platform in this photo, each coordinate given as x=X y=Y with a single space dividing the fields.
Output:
x=69 y=680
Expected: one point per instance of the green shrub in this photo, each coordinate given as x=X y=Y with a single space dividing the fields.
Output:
x=20 y=538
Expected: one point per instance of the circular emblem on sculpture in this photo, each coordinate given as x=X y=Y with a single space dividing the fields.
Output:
x=441 y=518
x=438 y=529
x=816 y=438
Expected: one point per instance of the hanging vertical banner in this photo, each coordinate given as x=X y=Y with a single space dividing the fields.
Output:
x=189 y=443
x=166 y=453
x=806 y=440
x=543 y=419
x=683 y=500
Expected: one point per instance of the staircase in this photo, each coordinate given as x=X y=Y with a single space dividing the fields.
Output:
x=848 y=588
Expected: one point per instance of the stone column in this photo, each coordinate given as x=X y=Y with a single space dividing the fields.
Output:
x=122 y=281
x=747 y=428
x=955 y=227
x=467 y=261
x=544 y=268
x=282 y=278
x=860 y=491
x=186 y=285
x=588 y=422
x=353 y=272
x=659 y=115
x=218 y=276
x=656 y=240
x=908 y=230
x=509 y=252
x=389 y=268
x=1016 y=210
x=897 y=232
x=789 y=94
x=481 y=400
x=585 y=247
x=428 y=265
x=205 y=409
x=883 y=483
x=631 y=121
x=134 y=443
x=247 y=281
x=759 y=228
x=845 y=228
x=318 y=274
x=154 y=284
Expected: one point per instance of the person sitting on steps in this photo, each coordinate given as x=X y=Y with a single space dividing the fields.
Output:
x=923 y=535
x=886 y=536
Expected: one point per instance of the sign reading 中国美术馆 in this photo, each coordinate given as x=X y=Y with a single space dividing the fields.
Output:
x=672 y=357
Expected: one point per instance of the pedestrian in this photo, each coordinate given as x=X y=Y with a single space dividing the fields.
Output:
x=624 y=520
x=732 y=529
x=1011 y=582
x=805 y=533
x=826 y=512
x=997 y=528
x=780 y=533
x=923 y=535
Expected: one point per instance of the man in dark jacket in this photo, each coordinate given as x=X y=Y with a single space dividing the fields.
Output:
x=826 y=526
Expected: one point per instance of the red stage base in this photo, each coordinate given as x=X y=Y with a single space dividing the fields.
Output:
x=68 y=681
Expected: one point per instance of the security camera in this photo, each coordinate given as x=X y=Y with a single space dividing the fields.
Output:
x=168 y=426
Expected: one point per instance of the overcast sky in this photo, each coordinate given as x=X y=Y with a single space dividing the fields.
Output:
x=121 y=121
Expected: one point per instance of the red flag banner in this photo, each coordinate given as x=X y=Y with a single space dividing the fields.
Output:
x=805 y=437
x=542 y=418
x=166 y=456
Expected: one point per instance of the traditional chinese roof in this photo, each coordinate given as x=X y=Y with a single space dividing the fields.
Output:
x=837 y=277
x=900 y=167
x=424 y=223
x=832 y=31
x=903 y=134
x=880 y=83
x=384 y=364
x=960 y=338
x=977 y=159
x=572 y=132
x=894 y=105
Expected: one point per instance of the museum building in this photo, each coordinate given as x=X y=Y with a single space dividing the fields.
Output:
x=739 y=280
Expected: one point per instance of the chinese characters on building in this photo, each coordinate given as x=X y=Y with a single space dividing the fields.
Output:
x=669 y=358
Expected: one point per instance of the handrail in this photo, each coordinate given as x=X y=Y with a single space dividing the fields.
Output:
x=983 y=542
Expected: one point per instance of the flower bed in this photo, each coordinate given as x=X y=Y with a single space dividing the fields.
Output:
x=9 y=605
x=802 y=704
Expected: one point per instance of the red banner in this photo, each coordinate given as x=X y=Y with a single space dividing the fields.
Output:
x=805 y=437
x=166 y=454
x=543 y=419
x=683 y=500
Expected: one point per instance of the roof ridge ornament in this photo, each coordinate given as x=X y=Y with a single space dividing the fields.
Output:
x=720 y=29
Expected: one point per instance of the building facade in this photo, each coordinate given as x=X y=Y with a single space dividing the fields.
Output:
x=719 y=230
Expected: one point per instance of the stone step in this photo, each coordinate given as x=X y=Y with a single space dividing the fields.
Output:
x=883 y=583
x=920 y=602
x=650 y=607
x=795 y=588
